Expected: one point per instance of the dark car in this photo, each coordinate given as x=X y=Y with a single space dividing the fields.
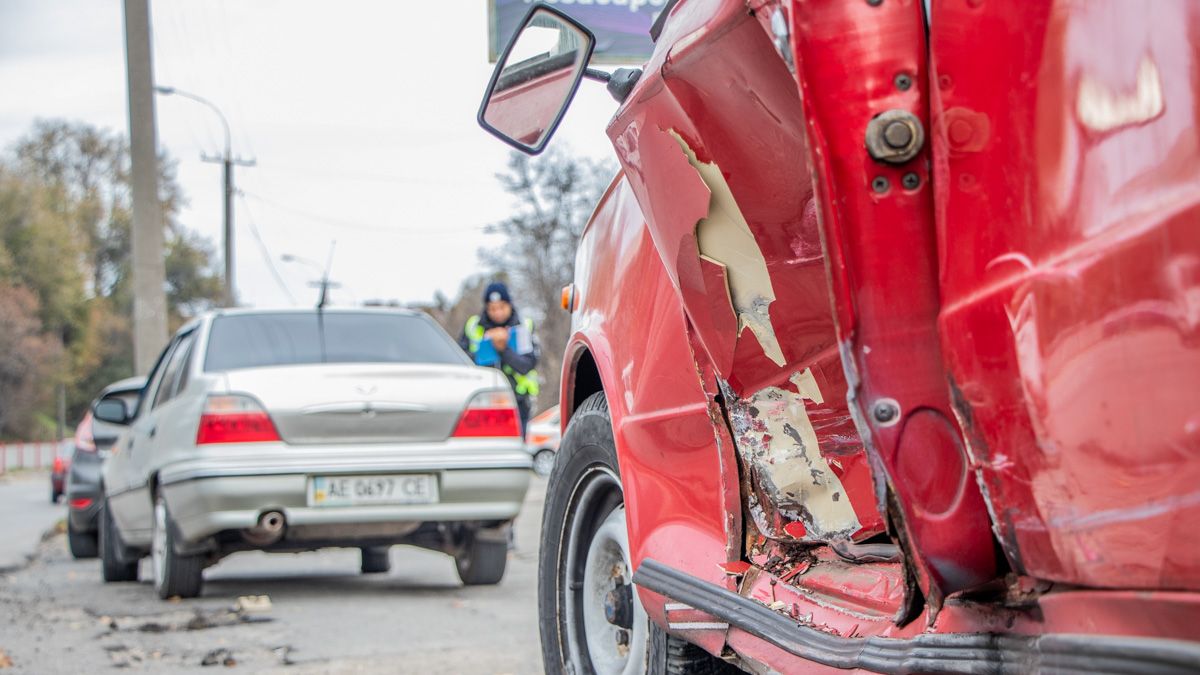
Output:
x=93 y=439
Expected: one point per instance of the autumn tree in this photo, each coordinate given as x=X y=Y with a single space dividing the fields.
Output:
x=29 y=357
x=65 y=223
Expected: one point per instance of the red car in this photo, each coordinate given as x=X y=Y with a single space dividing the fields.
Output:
x=58 y=472
x=886 y=341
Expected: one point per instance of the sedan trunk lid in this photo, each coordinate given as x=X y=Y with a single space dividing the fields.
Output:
x=364 y=403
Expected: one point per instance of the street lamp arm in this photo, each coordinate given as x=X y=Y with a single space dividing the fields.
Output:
x=288 y=257
x=172 y=91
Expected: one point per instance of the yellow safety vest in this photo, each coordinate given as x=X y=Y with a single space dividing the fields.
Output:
x=527 y=384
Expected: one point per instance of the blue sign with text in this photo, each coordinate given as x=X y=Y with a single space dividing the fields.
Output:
x=622 y=27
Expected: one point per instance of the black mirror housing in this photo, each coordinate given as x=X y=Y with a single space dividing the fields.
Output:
x=111 y=410
x=525 y=100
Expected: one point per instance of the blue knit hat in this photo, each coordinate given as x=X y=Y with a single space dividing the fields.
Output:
x=496 y=291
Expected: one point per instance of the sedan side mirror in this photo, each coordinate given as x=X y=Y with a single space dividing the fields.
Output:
x=111 y=410
x=536 y=78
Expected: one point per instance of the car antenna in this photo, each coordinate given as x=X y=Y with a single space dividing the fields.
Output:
x=325 y=284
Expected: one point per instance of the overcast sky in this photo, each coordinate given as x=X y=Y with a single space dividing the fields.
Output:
x=361 y=116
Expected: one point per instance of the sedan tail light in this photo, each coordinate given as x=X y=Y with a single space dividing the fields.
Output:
x=490 y=414
x=84 y=440
x=235 y=418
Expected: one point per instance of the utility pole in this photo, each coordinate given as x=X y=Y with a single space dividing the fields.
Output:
x=149 y=268
x=227 y=161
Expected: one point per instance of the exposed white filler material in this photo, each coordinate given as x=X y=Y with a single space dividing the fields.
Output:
x=778 y=441
x=725 y=239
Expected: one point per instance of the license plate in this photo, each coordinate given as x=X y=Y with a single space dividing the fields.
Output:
x=367 y=490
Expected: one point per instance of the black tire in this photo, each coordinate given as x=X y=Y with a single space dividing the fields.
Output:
x=584 y=489
x=82 y=545
x=679 y=657
x=114 y=565
x=174 y=574
x=375 y=559
x=482 y=560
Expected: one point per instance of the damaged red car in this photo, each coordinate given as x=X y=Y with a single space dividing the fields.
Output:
x=885 y=351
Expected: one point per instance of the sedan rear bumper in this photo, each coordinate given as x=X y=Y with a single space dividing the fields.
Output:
x=210 y=495
x=83 y=482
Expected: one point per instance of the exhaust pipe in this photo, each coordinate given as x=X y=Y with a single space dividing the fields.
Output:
x=270 y=529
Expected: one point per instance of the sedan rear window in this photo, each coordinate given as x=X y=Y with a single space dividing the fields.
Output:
x=257 y=340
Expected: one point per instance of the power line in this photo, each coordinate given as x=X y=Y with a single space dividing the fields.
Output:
x=167 y=35
x=370 y=177
x=233 y=82
x=266 y=254
x=338 y=222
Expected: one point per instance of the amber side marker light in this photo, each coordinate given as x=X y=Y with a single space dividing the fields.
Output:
x=570 y=299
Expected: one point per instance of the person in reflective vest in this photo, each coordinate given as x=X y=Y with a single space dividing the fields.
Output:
x=500 y=338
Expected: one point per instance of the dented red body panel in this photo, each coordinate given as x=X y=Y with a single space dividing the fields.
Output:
x=1030 y=305
x=1070 y=250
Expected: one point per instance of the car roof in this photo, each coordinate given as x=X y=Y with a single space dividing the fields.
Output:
x=128 y=384
x=211 y=314
x=255 y=311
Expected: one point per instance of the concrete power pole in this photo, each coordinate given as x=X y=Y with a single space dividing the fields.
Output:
x=149 y=268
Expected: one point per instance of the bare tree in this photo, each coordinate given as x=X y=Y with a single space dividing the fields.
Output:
x=554 y=195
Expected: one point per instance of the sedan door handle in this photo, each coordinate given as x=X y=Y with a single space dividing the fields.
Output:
x=153 y=430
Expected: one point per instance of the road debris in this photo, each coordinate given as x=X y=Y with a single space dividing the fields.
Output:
x=219 y=657
x=284 y=654
x=188 y=620
x=253 y=604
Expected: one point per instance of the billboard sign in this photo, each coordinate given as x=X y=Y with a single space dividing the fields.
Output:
x=622 y=27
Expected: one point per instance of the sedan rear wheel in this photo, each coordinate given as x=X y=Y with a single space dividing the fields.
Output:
x=174 y=574
x=82 y=545
x=482 y=560
x=113 y=563
x=375 y=560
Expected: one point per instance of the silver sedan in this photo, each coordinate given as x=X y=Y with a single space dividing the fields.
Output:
x=296 y=430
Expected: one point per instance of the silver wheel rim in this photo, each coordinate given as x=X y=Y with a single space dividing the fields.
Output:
x=594 y=644
x=158 y=545
x=543 y=462
x=607 y=567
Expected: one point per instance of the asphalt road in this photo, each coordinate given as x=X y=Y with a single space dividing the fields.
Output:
x=25 y=515
x=56 y=616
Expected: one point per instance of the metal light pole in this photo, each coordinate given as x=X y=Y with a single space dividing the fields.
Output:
x=324 y=284
x=227 y=161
